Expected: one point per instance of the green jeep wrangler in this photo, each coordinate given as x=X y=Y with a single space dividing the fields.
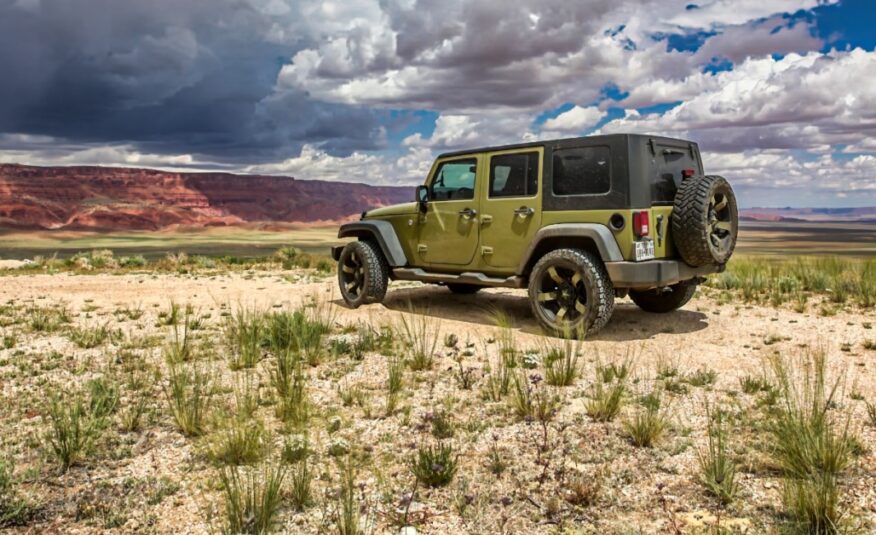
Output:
x=576 y=221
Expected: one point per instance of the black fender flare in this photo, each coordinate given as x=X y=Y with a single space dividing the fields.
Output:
x=382 y=232
x=608 y=248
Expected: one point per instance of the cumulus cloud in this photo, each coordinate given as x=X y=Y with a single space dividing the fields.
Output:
x=575 y=120
x=809 y=101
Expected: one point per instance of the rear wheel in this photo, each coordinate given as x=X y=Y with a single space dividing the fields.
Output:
x=463 y=289
x=662 y=300
x=570 y=293
x=363 y=274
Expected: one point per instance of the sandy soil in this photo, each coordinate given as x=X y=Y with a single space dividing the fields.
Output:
x=649 y=488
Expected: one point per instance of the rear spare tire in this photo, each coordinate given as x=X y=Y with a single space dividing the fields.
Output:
x=705 y=220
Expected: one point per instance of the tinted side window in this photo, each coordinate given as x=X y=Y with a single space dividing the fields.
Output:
x=514 y=175
x=454 y=180
x=582 y=171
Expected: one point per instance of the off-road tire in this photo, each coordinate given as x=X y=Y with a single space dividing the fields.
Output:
x=599 y=292
x=462 y=288
x=691 y=220
x=374 y=274
x=662 y=300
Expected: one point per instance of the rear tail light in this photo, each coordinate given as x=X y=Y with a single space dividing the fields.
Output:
x=687 y=173
x=640 y=224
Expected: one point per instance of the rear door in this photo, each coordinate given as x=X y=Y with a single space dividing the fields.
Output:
x=449 y=228
x=511 y=204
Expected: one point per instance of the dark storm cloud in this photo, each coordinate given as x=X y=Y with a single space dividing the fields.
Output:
x=167 y=76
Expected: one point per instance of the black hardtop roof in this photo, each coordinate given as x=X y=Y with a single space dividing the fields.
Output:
x=608 y=138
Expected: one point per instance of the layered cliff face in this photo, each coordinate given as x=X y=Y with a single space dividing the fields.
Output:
x=123 y=198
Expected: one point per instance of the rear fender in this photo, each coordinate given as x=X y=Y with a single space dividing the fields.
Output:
x=596 y=233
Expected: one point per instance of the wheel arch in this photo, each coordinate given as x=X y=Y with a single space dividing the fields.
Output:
x=591 y=237
x=381 y=232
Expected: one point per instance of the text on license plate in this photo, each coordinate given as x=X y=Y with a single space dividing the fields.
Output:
x=644 y=250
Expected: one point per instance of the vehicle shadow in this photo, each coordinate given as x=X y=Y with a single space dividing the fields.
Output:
x=628 y=322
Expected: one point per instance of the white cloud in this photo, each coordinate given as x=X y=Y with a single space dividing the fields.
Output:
x=316 y=164
x=810 y=102
x=575 y=120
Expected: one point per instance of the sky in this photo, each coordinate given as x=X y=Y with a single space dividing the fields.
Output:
x=779 y=94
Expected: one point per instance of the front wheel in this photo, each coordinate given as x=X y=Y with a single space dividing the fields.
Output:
x=662 y=300
x=363 y=273
x=570 y=293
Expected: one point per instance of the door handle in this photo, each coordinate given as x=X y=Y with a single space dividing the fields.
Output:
x=468 y=213
x=524 y=211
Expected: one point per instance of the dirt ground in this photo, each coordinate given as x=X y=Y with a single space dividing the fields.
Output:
x=643 y=490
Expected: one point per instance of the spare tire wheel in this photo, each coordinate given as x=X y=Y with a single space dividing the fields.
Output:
x=705 y=220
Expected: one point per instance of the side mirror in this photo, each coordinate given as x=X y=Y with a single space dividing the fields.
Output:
x=423 y=198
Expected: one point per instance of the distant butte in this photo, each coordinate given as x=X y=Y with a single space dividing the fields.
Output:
x=118 y=198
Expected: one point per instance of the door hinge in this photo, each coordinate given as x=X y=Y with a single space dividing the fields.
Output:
x=422 y=248
x=485 y=251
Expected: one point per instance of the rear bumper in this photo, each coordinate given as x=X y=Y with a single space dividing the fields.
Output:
x=655 y=273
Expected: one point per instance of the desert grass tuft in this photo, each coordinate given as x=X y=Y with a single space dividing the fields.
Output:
x=531 y=400
x=89 y=337
x=293 y=399
x=648 y=425
x=561 y=364
x=243 y=331
x=15 y=510
x=189 y=393
x=349 y=507
x=301 y=485
x=178 y=348
x=238 y=440
x=605 y=400
x=252 y=498
x=46 y=319
x=72 y=429
x=811 y=441
x=871 y=412
x=394 y=382
x=497 y=381
x=717 y=469
x=420 y=337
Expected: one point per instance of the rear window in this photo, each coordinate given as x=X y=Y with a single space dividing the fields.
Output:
x=582 y=171
x=666 y=175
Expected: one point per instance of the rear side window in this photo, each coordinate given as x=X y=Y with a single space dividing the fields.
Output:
x=514 y=175
x=582 y=171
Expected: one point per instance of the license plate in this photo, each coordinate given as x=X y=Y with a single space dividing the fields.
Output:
x=644 y=250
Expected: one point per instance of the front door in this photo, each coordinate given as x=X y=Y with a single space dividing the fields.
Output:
x=511 y=205
x=449 y=228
